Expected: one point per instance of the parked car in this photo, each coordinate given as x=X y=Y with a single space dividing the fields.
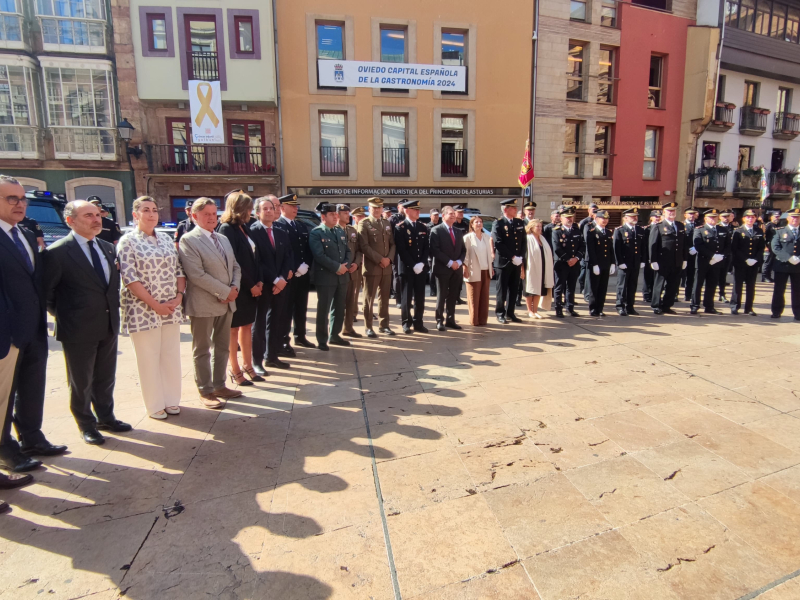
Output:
x=47 y=209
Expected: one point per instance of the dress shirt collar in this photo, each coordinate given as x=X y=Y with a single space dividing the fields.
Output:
x=206 y=232
x=6 y=226
x=82 y=240
x=287 y=219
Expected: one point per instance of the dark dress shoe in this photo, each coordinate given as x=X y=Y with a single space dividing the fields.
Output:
x=386 y=331
x=323 y=347
x=689 y=299
x=287 y=351
x=93 y=437
x=751 y=313
x=774 y=316
x=440 y=326
x=4 y=507
x=669 y=311
x=9 y=482
x=559 y=313
x=514 y=319
x=693 y=311
x=44 y=448
x=723 y=298
x=711 y=311
x=460 y=301
x=502 y=320
x=371 y=333
x=594 y=313
x=260 y=371
x=658 y=311
x=633 y=312
x=572 y=312
x=734 y=311
x=452 y=325
x=116 y=426
x=602 y=314
x=337 y=341
x=352 y=334
x=355 y=319
x=622 y=313
x=278 y=364
x=420 y=328
x=21 y=463
x=407 y=330
x=304 y=343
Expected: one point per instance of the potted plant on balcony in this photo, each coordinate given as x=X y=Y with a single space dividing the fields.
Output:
x=762 y=111
x=730 y=105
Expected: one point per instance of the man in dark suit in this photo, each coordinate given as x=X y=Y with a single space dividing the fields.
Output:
x=786 y=247
x=747 y=250
x=600 y=262
x=689 y=223
x=629 y=251
x=300 y=283
x=668 y=253
x=510 y=247
x=81 y=283
x=435 y=220
x=22 y=265
x=275 y=256
x=447 y=247
x=710 y=241
x=569 y=249
x=411 y=240
x=649 y=274
x=770 y=229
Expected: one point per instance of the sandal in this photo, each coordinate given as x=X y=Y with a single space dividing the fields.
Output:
x=251 y=373
x=239 y=379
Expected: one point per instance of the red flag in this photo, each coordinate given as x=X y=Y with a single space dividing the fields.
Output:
x=526 y=171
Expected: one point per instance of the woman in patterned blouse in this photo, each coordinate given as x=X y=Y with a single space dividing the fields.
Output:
x=151 y=308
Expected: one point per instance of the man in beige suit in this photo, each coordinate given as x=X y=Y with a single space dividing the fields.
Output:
x=212 y=285
x=376 y=242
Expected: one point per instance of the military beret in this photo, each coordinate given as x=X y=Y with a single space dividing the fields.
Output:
x=670 y=206
x=603 y=214
x=289 y=199
x=509 y=202
x=411 y=204
x=376 y=202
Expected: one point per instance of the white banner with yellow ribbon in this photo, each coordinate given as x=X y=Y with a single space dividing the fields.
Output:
x=205 y=103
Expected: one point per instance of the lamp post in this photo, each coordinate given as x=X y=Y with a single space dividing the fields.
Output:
x=125 y=130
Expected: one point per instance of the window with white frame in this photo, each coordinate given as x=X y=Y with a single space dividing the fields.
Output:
x=80 y=111
x=17 y=117
x=73 y=23
x=10 y=21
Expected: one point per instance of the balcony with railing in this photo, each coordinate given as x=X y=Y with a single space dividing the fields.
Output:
x=17 y=141
x=84 y=143
x=748 y=183
x=454 y=162
x=395 y=162
x=211 y=159
x=723 y=117
x=203 y=66
x=780 y=183
x=711 y=181
x=753 y=120
x=334 y=160
x=787 y=126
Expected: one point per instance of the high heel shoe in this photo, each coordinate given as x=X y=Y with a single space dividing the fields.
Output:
x=239 y=379
x=251 y=373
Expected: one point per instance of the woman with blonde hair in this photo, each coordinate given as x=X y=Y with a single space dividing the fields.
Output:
x=478 y=271
x=234 y=226
x=152 y=297
x=538 y=276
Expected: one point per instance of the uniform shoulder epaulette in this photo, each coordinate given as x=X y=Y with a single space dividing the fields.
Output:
x=557 y=226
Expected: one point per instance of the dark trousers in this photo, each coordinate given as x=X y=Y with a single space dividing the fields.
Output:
x=431 y=278
x=582 y=277
x=26 y=401
x=331 y=300
x=91 y=374
x=666 y=283
x=412 y=297
x=396 y=283
x=566 y=278
x=520 y=288
x=769 y=263
x=647 y=286
x=506 y=296
x=448 y=287
x=627 y=281
x=707 y=280
x=744 y=277
x=779 y=293
x=688 y=277
x=723 y=275
x=595 y=292
x=297 y=307
x=268 y=327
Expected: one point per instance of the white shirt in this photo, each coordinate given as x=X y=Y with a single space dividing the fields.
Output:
x=671 y=224
x=84 y=245
x=452 y=235
x=483 y=253
x=629 y=226
x=7 y=228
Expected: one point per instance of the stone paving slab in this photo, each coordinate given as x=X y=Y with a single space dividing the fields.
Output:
x=615 y=458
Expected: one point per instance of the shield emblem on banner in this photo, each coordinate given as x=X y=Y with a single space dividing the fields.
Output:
x=338 y=72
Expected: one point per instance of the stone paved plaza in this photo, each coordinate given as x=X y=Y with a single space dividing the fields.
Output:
x=617 y=458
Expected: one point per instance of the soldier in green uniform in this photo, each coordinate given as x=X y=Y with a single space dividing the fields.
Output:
x=332 y=263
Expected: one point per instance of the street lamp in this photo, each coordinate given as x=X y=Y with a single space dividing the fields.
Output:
x=126 y=133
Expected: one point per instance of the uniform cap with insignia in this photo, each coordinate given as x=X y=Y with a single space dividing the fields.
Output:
x=567 y=211
x=341 y=207
x=95 y=200
x=434 y=211
x=324 y=208
x=357 y=211
x=509 y=202
x=725 y=212
x=530 y=204
x=376 y=202
x=631 y=211
x=411 y=204
x=319 y=206
x=711 y=212
x=795 y=212
x=655 y=213
x=603 y=214
x=289 y=199
x=189 y=203
x=691 y=211
x=749 y=213
x=458 y=208
x=670 y=205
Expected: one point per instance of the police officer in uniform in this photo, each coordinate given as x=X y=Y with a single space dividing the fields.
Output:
x=300 y=283
x=412 y=242
x=463 y=225
x=649 y=275
x=710 y=242
x=435 y=220
x=568 y=250
x=110 y=232
x=687 y=277
x=186 y=225
x=394 y=220
x=725 y=224
x=583 y=226
x=786 y=247
x=769 y=232
x=629 y=251
x=357 y=260
x=667 y=253
x=33 y=226
x=376 y=241
x=510 y=246
x=599 y=261
x=747 y=250
x=547 y=230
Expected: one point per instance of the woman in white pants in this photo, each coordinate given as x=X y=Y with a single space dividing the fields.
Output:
x=152 y=308
x=539 y=275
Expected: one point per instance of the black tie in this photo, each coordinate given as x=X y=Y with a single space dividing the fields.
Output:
x=98 y=266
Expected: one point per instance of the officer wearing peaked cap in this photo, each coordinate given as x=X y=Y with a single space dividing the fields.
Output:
x=770 y=228
x=630 y=244
x=600 y=262
x=747 y=251
x=356 y=261
x=687 y=277
x=726 y=216
x=376 y=241
x=668 y=255
x=569 y=249
x=786 y=247
x=412 y=242
x=649 y=274
x=711 y=244
x=510 y=246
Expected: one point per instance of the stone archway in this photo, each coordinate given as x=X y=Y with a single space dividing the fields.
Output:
x=116 y=186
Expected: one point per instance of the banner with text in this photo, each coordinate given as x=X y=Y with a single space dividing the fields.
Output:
x=205 y=104
x=401 y=76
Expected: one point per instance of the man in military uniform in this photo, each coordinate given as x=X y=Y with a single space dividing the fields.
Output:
x=747 y=250
x=376 y=241
x=726 y=225
x=547 y=230
x=411 y=240
x=357 y=260
x=434 y=222
x=629 y=251
x=667 y=252
x=786 y=247
x=568 y=251
x=186 y=225
x=110 y=232
x=583 y=226
x=689 y=223
x=710 y=242
x=394 y=220
x=510 y=247
x=33 y=226
x=649 y=275
x=770 y=229
x=300 y=282
x=600 y=262
x=332 y=262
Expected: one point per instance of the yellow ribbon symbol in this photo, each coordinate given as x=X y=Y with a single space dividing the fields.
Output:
x=205 y=105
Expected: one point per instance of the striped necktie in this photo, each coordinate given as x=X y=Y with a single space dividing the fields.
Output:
x=218 y=245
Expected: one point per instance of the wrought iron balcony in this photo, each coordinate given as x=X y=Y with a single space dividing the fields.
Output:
x=787 y=126
x=334 y=160
x=780 y=183
x=723 y=117
x=711 y=181
x=395 y=161
x=211 y=159
x=203 y=66
x=454 y=163
x=753 y=120
x=748 y=183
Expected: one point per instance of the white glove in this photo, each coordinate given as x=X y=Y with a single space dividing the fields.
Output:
x=302 y=270
x=654 y=266
x=517 y=260
x=692 y=250
x=612 y=270
x=641 y=266
x=684 y=264
x=715 y=259
x=596 y=270
x=794 y=259
x=418 y=268
x=750 y=262
x=623 y=266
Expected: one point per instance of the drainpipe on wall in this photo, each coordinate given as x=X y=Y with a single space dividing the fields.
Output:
x=278 y=91
x=534 y=55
